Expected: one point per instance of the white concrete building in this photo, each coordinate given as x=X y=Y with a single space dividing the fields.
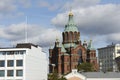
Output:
x=24 y=62
x=107 y=57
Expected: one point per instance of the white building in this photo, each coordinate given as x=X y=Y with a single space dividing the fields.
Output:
x=107 y=57
x=24 y=62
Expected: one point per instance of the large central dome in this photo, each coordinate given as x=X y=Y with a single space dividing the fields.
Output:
x=71 y=26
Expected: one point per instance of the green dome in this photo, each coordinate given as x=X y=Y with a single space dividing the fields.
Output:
x=90 y=46
x=62 y=48
x=71 y=25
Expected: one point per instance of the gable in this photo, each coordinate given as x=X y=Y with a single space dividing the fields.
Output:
x=74 y=75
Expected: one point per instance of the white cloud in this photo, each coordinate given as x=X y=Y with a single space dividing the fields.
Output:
x=99 y=19
x=51 y=6
x=10 y=8
x=36 y=34
x=94 y=20
x=114 y=37
x=7 y=5
x=79 y=3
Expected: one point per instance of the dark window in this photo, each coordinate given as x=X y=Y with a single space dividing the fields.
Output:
x=2 y=52
x=19 y=63
x=2 y=73
x=10 y=72
x=80 y=56
x=10 y=63
x=2 y=63
x=19 y=72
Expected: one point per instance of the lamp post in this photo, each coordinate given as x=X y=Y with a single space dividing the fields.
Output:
x=53 y=66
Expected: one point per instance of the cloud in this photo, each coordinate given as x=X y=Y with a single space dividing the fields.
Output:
x=99 y=19
x=7 y=5
x=114 y=37
x=50 y=6
x=36 y=34
x=10 y=8
x=93 y=20
x=79 y=3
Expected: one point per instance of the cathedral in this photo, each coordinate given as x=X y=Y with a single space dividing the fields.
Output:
x=67 y=55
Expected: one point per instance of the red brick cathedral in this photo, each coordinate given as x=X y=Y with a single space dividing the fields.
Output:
x=67 y=55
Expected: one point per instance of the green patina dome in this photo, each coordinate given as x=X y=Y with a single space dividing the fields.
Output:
x=62 y=48
x=90 y=46
x=71 y=26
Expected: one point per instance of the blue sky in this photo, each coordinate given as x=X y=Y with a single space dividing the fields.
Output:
x=96 y=19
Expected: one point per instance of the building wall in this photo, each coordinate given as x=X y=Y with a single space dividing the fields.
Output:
x=13 y=57
x=36 y=64
x=107 y=56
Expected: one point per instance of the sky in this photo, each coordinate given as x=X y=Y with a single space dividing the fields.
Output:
x=44 y=21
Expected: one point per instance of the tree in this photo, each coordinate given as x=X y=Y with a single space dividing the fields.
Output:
x=62 y=78
x=54 y=76
x=86 y=67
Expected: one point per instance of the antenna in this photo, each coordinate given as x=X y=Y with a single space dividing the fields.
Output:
x=26 y=34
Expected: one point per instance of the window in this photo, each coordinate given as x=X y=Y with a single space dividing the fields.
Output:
x=80 y=56
x=10 y=63
x=19 y=63
x=10 y=73
x=19 y=72
x=2 y=63
x=2 y=73
x=2 y=53
x=10 y=53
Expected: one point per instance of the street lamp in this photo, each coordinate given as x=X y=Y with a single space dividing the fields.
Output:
x=53 y=66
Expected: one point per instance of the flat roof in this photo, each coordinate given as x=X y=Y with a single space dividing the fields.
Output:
x=21 y=45
x=101 y=74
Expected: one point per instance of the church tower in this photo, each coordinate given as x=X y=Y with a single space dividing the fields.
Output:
x=67 y=55
x=71 y=35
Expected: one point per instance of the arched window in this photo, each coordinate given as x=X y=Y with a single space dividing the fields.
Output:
x=75 y=36
x=63 y=34
x=80 y=60
x=66 y=36
x=70 y=36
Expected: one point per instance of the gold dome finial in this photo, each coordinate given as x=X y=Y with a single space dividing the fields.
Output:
x=70 y=14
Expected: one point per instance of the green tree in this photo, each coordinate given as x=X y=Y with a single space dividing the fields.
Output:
x=54 y=76
x=86 y=67
x=62 y=78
